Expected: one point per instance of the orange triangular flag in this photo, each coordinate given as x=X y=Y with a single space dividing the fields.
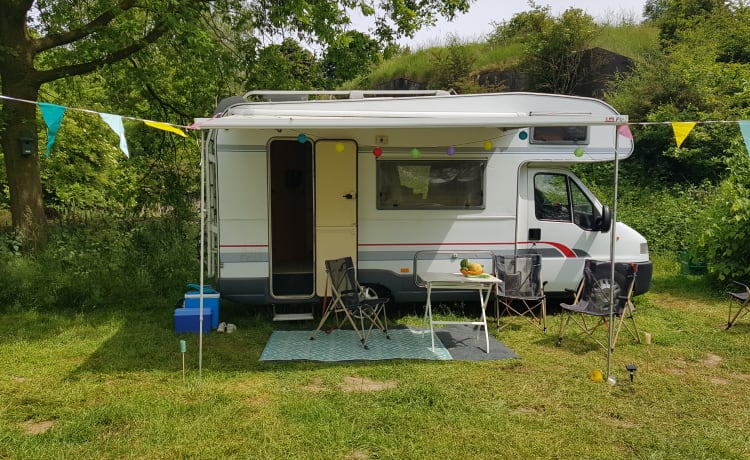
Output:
x=681 y=130
x=165 y=127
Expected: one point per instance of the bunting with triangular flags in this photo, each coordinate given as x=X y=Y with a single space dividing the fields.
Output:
x=53 y=116
x=115 y=122
x=165 y=127
x=745 y=130
x=681 y=130
x=624 y=130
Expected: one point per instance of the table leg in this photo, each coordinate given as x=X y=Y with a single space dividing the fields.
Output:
x=428 y=311
x=484 y=300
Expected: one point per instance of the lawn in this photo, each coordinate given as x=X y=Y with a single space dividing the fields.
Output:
x=108 y=383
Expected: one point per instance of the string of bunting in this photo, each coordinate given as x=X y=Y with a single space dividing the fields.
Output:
x=681 y=129
x=53 y=115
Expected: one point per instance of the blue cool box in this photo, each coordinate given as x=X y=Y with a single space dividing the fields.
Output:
x=210 y=303
x=188 y=320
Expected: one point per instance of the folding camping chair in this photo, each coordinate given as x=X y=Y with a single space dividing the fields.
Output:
x=741 y=300
x=357 y=303
x=522 y=290
x=592 y=300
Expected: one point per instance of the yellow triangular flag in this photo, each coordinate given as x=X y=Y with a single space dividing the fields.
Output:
x=165 y=127
x=681 y=130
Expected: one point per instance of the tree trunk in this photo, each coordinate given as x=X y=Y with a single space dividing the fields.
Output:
x=18 y=120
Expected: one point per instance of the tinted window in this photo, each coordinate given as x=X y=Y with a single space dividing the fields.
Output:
x=559 y=135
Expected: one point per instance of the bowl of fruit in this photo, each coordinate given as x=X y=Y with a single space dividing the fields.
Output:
x=472 y=269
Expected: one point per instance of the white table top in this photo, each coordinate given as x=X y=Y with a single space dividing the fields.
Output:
x=436 y=278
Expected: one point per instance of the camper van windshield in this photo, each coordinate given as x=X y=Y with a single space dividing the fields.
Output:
x=430 y=184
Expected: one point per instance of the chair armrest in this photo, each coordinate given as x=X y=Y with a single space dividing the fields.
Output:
x=744 y=286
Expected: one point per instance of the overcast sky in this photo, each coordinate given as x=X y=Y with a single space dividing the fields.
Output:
x=477 y=22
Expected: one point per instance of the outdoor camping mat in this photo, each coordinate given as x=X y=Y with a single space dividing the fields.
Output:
x=456 y=342
x=466 y=343
x=344 y=345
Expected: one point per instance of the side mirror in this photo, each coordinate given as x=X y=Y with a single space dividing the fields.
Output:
x=604 y=222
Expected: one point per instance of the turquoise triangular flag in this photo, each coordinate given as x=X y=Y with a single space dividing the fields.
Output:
x=115 y=122
x=53 y=115
x=745 y=130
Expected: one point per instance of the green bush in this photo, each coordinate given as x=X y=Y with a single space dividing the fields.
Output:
x=722 y=240
x=709 y=222
x=667 y=217
x=103 y=264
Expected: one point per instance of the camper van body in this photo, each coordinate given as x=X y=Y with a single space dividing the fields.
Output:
x=391 y=177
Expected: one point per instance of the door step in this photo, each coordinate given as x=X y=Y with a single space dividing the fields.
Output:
x=292 y=312
x=293 y=316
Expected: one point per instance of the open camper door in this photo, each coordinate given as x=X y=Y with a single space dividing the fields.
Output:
x=335 y=205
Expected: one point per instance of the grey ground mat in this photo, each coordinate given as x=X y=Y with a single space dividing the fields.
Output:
x=463 y=345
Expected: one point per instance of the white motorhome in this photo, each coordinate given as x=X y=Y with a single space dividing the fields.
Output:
x=296 y=178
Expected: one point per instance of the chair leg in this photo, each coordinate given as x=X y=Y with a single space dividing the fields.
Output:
x=742 y=310
x=364 y=335
x=563 y=324
x=381 y=324
x=322 y=322
x=630 y=316
x=586 y=327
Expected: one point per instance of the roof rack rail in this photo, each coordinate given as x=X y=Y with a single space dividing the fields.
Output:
x=283 y=96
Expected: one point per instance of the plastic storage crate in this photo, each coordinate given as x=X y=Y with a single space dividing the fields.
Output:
x=188 y=320
x=210 y=302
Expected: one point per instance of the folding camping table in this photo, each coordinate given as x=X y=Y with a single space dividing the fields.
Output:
x=483 y=285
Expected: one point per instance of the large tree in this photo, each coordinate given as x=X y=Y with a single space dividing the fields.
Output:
x=46 y=40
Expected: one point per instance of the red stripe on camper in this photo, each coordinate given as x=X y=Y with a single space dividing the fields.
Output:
x=429 y=244
x=564 y=250
x=243 y=246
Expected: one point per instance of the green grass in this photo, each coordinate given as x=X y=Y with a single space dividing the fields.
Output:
x=108 y=384
x=632 y=40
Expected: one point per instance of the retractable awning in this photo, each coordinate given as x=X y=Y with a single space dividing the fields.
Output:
x=258 y=118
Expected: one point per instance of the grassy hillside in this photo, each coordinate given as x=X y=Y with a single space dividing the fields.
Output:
x=631 y=40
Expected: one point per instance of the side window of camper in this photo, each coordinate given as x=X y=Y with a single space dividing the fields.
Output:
x=430 y=184
x=559 y=135
x=558 y=198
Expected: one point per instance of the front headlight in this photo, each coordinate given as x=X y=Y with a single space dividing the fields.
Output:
x=644 y=248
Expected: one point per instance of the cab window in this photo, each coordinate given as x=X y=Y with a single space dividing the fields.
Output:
x=558 y=198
